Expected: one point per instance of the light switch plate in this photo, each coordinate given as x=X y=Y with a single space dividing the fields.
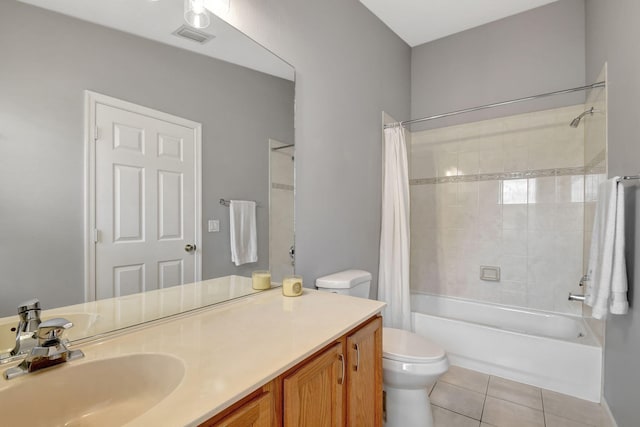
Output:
x=214 y=226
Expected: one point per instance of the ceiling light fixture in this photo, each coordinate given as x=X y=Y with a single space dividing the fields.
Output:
x=196 y=14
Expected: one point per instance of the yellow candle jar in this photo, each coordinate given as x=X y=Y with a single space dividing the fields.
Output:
x=292 y=286
x=261 y=280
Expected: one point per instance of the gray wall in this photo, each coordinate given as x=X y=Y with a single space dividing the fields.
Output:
x=613 y=34
x=349 y=67
x=47 y=62
x=538 y=51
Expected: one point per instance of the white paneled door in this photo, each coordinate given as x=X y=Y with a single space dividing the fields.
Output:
x=146 y=199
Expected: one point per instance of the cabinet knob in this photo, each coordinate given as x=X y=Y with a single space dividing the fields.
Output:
x=341 y=378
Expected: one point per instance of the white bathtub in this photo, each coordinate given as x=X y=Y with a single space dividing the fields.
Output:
x=548 y=350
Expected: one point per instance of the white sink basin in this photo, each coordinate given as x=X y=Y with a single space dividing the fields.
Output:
x=106 y=392
x=82 y=324
x=7 y=336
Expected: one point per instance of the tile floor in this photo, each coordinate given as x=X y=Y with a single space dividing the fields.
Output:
x=465 y=398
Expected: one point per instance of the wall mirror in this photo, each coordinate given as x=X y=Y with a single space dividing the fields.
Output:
x=63 y=63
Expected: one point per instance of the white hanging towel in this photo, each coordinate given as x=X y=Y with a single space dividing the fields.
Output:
x=607 y=271
x=244 y=237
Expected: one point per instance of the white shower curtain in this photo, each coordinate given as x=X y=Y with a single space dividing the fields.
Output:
x=393 y=277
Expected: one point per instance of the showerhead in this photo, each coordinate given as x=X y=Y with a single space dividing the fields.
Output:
x=576 y=122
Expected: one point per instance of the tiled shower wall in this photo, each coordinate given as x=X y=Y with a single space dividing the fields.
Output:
x=508 y=193
x=280 y=211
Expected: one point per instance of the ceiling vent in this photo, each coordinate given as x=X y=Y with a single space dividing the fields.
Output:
x=192 y=34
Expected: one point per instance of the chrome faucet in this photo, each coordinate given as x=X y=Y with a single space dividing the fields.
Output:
x=29 y=312
x=50 y=349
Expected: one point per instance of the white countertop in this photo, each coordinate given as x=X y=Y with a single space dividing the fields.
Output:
x=231 y=349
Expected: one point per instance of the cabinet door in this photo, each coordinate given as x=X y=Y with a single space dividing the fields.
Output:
x=313 y=394
x=257 y=410
x=364 y=376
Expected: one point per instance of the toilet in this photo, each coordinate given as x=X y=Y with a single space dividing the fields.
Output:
x=410 y=363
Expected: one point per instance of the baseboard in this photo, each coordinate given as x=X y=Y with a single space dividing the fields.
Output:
x=609 y=415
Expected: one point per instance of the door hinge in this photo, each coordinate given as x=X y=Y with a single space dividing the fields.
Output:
x=96 y=133
x=96 y=235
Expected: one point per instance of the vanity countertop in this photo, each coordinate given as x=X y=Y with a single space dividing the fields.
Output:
x=231 y=349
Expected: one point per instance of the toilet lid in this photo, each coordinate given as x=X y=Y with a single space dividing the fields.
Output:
x=404 y=346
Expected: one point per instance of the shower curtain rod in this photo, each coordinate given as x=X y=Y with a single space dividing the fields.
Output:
x=282 y=147
x=497 y=104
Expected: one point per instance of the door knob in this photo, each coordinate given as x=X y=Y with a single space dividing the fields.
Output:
x=189 y=248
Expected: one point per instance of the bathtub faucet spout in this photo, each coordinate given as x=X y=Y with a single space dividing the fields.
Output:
x=574 y=297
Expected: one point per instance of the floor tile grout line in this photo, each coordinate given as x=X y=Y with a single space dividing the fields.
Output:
x=582 y=423
x=467 y=388
x=544 y=413
x=484 y=403
x=524 y=406
x=455 y=412
x=506 y=399
x=563 y=416
x=459 y=386
x=486 y=395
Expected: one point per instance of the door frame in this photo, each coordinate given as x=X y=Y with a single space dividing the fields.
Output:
x=91 y=100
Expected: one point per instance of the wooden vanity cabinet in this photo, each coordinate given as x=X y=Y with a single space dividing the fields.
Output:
x=260 y=409
x=314 y=393
x=340 y=385
x=364 y=375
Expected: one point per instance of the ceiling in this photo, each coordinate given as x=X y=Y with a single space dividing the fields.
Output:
x=156 y=20
x=422 y=21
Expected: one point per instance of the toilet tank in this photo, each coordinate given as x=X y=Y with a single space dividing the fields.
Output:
x=349 y=282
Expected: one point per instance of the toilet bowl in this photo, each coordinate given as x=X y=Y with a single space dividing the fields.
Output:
x=410 y=366
x=410 y=363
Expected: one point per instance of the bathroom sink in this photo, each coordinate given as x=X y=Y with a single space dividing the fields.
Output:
x=7 y=336
x=82 y=324
x=105 y=392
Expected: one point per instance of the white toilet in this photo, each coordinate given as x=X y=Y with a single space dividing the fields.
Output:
x=410 y=363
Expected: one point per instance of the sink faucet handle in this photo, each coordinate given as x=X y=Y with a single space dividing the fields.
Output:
x=50 y=331
x=32 y=304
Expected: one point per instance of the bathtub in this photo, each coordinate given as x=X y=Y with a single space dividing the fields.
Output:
x=548 y=350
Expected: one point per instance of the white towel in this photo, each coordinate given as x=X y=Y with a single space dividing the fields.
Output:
x=607 y=271
x=244 y=238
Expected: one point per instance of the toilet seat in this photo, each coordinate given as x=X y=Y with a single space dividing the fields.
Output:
x=410 y=362
x=408 y=347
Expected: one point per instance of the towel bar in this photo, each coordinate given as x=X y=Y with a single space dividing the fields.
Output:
x=224 y=202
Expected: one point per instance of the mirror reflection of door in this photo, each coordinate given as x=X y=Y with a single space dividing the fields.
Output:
x=146 y=228
x=281 y=209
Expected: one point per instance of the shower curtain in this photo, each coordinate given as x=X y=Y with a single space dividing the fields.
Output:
x=393 y=277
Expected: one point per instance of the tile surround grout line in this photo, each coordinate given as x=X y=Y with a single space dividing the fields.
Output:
x=502 y=176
